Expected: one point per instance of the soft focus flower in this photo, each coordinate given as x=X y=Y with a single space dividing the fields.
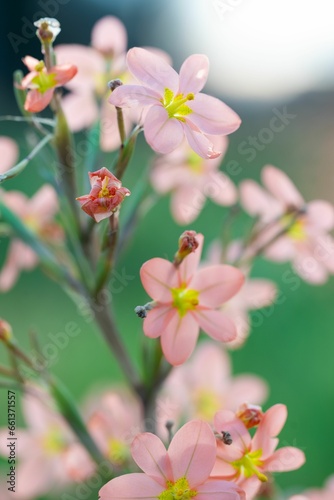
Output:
x=182 y=472
x=41 y=83
x=326 y=493
x=187 y=299
x=248 y=459
x=105 y=196
x=37 y=213
x=8 y=153
x=255 y=293
x=204 y=385
x=42 y=448
x=191 y=179
x=176 y=106
x=306 y=241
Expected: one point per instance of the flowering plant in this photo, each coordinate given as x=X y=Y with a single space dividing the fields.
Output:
x=194 y=429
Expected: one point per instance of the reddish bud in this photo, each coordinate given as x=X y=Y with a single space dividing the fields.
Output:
x=187 y=244
x=251 y=415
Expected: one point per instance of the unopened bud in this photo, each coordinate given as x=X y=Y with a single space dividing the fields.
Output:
x=113 y=84
x=187 y=244
x=141 y=311
x=250 y=415
x=226 y=438
x=47 y=29
x=6 y=333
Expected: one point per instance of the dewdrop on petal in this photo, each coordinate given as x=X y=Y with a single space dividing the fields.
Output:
x=48 y=29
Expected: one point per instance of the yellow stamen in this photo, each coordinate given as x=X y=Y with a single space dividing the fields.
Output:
x=184 y=299
x=248 y=465
x=118 y=452
x=295 y=228
x=53 y=441
x=105 y=192
x=207 y=403
x=180 y=490
x=176 y=105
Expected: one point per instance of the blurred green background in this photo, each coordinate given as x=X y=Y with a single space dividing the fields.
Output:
x=293 y=348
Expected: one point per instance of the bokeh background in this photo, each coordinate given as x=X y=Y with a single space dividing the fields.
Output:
x=264 y=56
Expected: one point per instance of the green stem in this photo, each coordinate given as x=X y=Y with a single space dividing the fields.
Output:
x=108 y=257
x=126 y=152
x=17 y=169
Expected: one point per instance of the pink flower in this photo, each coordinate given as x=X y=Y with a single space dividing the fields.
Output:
x=191 y=179
x=306 y=242
x=186 y=300
x=248 y=459
x=41 y=83
x=176 y=108
x=326 y=493
x=255 y=293
x=193 y=392
x=8 y=153
x=105 y=196
x=181 y=472
x=42 y=447
x=37 y=213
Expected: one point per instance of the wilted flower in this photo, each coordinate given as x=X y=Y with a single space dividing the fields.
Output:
x=105 y=196
x=41 y=82
x=48 y=29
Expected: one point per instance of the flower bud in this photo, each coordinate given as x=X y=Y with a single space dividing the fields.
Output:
x=6 y=333
x=113 y=84
x=251 y=415
x=187 y=244
x=48 y=29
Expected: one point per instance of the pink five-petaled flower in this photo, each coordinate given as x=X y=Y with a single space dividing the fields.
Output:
x=176 y=108
x=41 y=83
x=247 y=460
x=191 y=179
x=182 y=472
x=306 y=241
x=105 y=196
x=186 y=299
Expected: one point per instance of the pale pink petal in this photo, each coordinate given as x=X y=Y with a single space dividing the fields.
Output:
x=212 y=116
x=179 y=338
x=162 y=133
x=131 y=487
x=190 y=264
x=217 y=284
x=223 y=469
x=258 y=293
x=152 y=70
x=250 y=486
x=194 y=74
x=80 y=110
x=158 y=276
x=216 y=324
x=285 y=459
x=306 y=264
x=192 y=452
x=89 y=62
x=150 y=455
x=166 y=176
x=36 y=102
x=281 y=187
x=133 y=95
x=217 y=363
x=321 y=214
x=109 y=36
x=282 y=250
x=186 y=204
x=246 y=389
x=200 y=142
x=19 y=256
x=30 y=62
x=30 y=484
x=156 y=320
x=220 y=189
x=226 y=421
x=257 y=202
x=64 y=73
x=8 y=153
x=44 y=204
x=219 y=490
x=270 y=426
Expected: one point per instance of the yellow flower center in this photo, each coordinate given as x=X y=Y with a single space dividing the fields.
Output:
x=53 y=441
x=44 y=81
x=118 y=452
x=180 y=490
x=207 y=403
x=296 y=229
x=195 y=163
x=105 y=191
x=248 y=465
x=175 y=105
x=184 y=299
